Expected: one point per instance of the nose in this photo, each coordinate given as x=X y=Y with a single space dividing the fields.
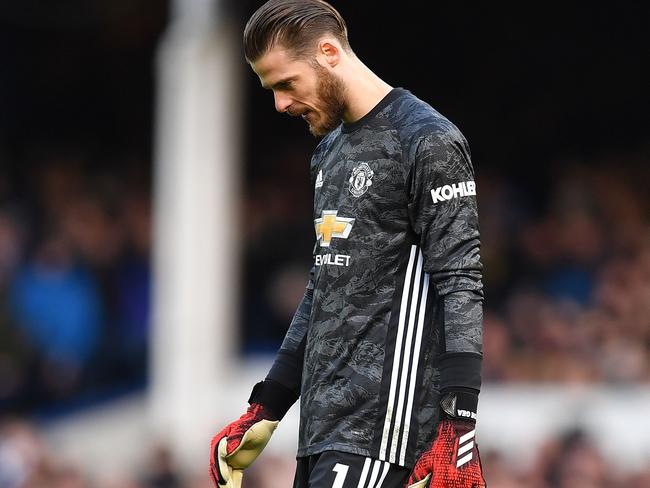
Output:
x=282 y=102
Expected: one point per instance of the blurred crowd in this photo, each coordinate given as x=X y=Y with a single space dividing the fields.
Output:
x=567 y=273
x=74 y=283
x=571 y=460
x=568 y=284
x=27 y=460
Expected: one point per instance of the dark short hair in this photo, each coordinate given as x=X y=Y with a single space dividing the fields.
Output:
x=293 y=24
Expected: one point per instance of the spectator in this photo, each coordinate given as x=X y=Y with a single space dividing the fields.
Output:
x=56 y=303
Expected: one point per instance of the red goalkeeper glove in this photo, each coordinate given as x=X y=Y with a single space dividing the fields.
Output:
x=238 y=444
x=453 y=459
x=234 y=448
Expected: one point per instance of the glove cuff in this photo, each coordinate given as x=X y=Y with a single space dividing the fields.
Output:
x=460 y=405
x=276 y=398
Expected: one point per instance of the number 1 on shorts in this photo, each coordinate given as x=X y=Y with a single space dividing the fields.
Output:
x=341 y=471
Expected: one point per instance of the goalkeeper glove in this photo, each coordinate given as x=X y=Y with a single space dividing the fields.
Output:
x=453 y=460
x=234 y=448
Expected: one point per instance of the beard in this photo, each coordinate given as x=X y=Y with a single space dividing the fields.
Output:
x=330 y=92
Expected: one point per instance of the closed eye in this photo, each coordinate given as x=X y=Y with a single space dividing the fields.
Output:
x=283 y=85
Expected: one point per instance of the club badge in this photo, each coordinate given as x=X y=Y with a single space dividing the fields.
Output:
x=361 y=179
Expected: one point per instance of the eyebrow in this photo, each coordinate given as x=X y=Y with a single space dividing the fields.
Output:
x=279 y=84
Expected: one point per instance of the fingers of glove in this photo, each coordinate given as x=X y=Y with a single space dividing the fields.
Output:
x=420 y=484
x=213 y=476
x=233 y=481
x=237 y=475
x=234 y=432
x=213 y=446
x=222 y=470
x=214 y=458
x=222 y=474
x=232 y=444
x=252 y=443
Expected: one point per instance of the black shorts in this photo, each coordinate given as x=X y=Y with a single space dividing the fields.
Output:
x=334 y=469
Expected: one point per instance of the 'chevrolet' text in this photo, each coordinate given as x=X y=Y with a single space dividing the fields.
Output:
x=332 y=259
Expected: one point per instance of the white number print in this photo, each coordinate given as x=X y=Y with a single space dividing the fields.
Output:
x=341 y=471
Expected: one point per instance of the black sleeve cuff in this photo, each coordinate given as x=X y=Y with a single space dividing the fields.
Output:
x=275 y=397
x=460 y=370
x=287 y=368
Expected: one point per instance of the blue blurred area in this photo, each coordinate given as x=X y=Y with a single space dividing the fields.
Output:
x=571 y=283
x=59 y=309
x=75 y=285
x=76 y=124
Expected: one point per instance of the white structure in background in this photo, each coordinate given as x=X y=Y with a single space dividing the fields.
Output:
x=196 y=263
x=196 y=225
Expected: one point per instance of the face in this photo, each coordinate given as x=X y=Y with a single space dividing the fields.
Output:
x=303 y=89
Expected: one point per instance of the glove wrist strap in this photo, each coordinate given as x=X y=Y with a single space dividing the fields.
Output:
x=276 y=398
x=460 y=405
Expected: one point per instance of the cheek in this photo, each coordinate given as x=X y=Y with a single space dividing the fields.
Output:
x=308 y=103
x=308 y=94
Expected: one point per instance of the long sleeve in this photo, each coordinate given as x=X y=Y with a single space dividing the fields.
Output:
x=287 y=368
x=443 y=213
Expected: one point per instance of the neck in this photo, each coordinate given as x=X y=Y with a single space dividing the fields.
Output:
x=364 y=90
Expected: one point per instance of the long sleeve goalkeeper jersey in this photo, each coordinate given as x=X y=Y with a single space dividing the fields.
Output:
x=392 y=313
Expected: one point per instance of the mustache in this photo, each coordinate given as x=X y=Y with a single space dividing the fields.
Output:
x=295 y=112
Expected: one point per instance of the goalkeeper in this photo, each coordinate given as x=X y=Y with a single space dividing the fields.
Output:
x=385 y=348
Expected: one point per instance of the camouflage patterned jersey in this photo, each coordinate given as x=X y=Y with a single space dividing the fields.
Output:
x=392 y=314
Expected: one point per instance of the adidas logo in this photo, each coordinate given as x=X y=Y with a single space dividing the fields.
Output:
x=465 y=443
x=319 y=179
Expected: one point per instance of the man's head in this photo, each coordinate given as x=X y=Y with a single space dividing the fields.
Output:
x=296 y=48
x=297 y=25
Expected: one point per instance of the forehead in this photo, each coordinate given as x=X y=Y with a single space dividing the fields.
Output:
x=277 y=65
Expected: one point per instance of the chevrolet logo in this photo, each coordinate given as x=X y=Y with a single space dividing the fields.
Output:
x=330 y=226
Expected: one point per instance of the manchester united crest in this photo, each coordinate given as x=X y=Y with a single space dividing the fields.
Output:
x=361 y=179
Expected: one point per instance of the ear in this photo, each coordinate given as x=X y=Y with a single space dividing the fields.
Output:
x=329 y=50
